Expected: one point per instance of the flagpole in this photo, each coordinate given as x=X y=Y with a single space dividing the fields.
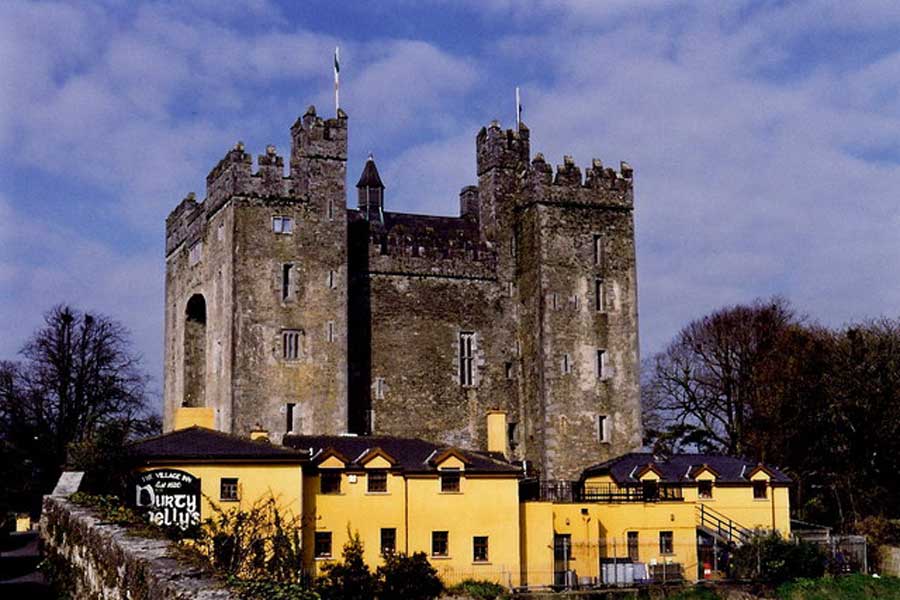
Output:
x=518 y=109
x=337 y=79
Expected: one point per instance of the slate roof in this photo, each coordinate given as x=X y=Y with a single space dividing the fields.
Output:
x=207 y=445
x=412 y=455
x=680 y=468
x=370 y=177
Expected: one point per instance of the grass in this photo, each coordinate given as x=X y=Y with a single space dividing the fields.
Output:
x=850 y=587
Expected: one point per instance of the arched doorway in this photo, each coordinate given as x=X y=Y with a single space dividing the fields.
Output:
x=195 y=351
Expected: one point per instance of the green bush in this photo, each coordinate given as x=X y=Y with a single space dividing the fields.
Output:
x=479 y=589
x=349 y=579
x=850 y=587
x=269 y=589
x=408 y=578
x=772 y=559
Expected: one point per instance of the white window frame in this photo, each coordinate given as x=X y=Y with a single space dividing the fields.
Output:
x=278 y=225
x=602 y=427
x=467 y=351
x=291 y=342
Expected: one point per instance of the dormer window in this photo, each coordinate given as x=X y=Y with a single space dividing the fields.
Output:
x=450 y=481
x=705 y=490
x=760 y=490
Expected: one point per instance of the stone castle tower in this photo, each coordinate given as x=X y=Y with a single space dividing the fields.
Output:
x=289 y=310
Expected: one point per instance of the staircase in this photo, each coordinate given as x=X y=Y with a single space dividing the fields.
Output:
x=721 y=527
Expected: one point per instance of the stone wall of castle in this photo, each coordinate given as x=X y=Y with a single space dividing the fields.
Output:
x=381 y=303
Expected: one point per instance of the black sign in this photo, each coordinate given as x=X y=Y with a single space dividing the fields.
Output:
x=169 y=497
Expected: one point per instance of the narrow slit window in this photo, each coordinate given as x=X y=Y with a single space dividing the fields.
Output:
x=509 y=370
x=379 y=388
x=467 y=359
x=566 y=363
x=332 y=280
x=331 y=210
x=598 y=250
x=599 y=296
x=601 y=363
x=289 y=417
x=329 y=331
x=602 y=428
x=287 y=270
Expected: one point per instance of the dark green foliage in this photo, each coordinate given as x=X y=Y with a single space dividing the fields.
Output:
x=349 y=579
x=408 y=578
x=772 y=559
x=479 y=590
x=850 y=587
x=269 y=589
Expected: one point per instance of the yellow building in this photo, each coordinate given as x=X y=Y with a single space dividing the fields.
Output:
x=630 y=519
x=406 y=495
x=647 y=518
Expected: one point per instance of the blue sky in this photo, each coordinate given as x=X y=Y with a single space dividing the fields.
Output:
x=765 y=136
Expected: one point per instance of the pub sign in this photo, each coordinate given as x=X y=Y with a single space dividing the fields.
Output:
x=169 y=497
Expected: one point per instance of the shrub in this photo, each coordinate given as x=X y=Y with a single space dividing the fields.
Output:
x=772 y=559
x=479 y=589
x=408 y=578
x=349 y=579
x=269 y=589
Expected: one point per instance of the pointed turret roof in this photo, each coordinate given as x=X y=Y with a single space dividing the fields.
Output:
x=370 y=177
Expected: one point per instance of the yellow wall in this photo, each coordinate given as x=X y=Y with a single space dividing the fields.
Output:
x=255 y=482
x=482 y=507
x=497 y=440
x=188 y=416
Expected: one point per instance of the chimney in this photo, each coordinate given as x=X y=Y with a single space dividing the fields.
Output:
x=259 y=434
x=496 y=432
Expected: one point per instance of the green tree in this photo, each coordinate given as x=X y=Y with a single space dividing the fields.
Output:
x=408 y=578
x=349 y=579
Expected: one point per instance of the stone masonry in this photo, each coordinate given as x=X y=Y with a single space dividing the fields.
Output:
x=370 y=321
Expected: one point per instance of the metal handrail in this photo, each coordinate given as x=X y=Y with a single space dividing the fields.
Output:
x=723 y=525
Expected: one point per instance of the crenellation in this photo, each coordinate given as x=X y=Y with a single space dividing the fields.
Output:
x=396 y=292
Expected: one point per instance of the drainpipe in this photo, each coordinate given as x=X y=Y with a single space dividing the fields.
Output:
x=406 y=515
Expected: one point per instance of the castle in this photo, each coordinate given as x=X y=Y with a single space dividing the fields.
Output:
x=288 y=310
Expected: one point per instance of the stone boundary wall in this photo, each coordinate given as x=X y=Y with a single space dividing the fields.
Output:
x=107 y=562
x=889 y=561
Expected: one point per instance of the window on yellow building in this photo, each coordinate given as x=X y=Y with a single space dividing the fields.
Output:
x=480 y=548
x=322 y=545
x=450 y=480
x=704 y=489
x=388 y=541
x=330 y=482
x=650 y=490
x=666 y=542
x=440 y=543
x=633 y=545
x=760 y=490
x=228 y=489
x=376 y=481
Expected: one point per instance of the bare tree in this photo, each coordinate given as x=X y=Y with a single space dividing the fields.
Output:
x=704 y=386
x=78 y=375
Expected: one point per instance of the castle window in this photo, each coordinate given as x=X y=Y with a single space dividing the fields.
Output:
x=510 y=289
x=555 y=300
x=467 y=359
x=379 y=388
x=283 y=225
x=220 y=232
x=440 y=543
x=512 y=434
x=602 y=428
x=480 y=548
x=598 y=250
x=601 y=364
x=290 y=341
x=509 y=370
x=705 y=489
x=331 y=210
x=332 y=280
x=666 y=542
x=228 y=489
x=322 y=546
x=287 y=270
x=195 y=253
x=376 y=481
x=388 y=541
x=566 y=363
x=576 y=302
x=759 y=490
x=289 y=417
x=599 y=296
x=329 y=331
x=329 y=482
x=449 y=481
